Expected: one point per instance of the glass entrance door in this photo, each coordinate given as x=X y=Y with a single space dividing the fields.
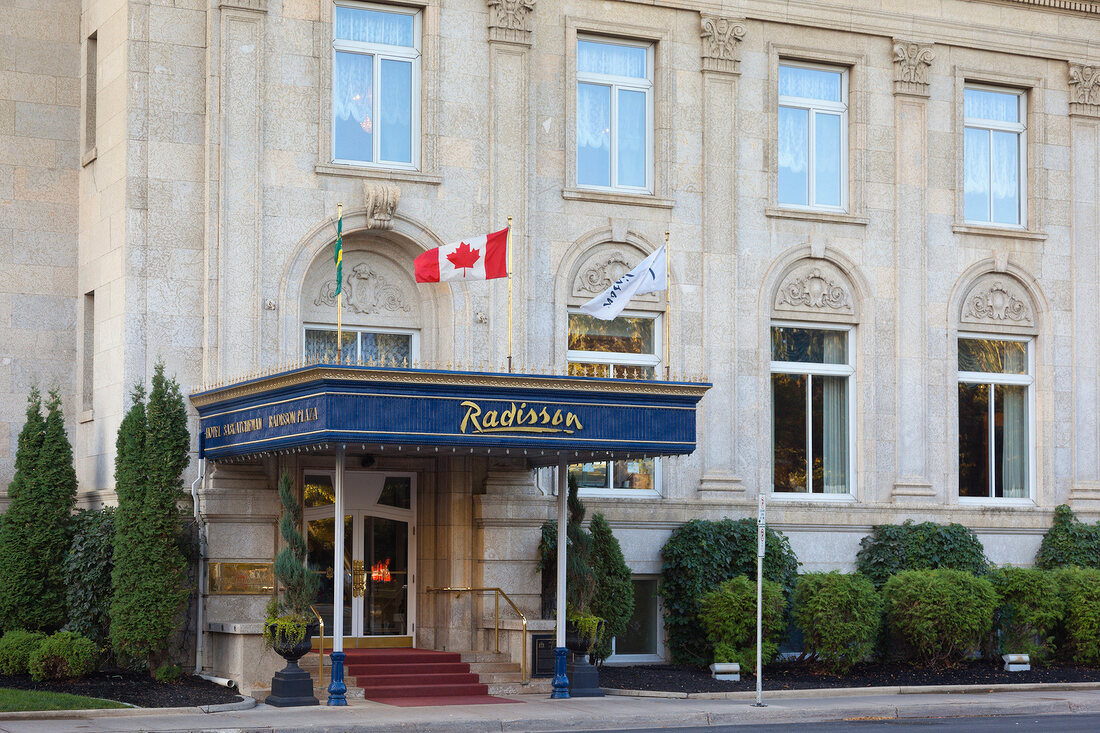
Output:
x=378 y=556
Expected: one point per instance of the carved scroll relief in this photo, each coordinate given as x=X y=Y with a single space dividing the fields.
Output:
x=722 y=43
x=1084 y=90
x=365 y=291
x=998 y=300
x=818 y=290
x=381 y=201
x=599 y=272
x=510 y=20
x=912 y=62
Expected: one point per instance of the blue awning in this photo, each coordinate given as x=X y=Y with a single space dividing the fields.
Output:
x=433 y=411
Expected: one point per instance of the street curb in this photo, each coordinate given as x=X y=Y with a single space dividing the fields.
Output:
x=825 y=692
x=244 y=703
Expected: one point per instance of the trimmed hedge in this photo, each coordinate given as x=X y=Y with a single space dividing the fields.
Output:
x=1069 y=542
x=1029 y=613
x=892 y=548
x=728 y=614
x=16 y=648
x=697 y=558
x=1079 y=589
x=942 y=614
x=840 y=616
x=63 y=656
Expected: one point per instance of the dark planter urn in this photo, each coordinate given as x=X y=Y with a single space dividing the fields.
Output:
x=584 y=679
x=292 y=685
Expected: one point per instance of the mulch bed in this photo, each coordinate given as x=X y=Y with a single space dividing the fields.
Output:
x=800 y=675
x=133 y=688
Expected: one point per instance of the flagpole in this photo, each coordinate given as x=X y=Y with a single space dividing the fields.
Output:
x=668 y=310
x=339 y=289
x=509 y=245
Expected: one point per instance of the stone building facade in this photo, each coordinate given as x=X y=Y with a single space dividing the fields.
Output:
x=895 y=202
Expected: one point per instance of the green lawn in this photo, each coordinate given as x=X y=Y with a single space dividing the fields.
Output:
x=20 y=700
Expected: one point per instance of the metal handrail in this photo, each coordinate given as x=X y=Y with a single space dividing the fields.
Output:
x=498 y=594
x=321 y=656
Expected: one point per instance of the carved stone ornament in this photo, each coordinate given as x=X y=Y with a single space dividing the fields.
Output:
x=260 y=6
x=1084 y=90
x=366 y=292
x=999 y=301
x=601 y=272
x=817 y=289
x=381 y=201
x=722 y=43
x=912 y=62
x=510 y=21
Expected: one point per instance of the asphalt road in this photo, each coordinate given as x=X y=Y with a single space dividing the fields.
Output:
x=1083 y=723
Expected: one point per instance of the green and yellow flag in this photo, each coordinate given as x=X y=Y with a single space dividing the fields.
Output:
x=339 y=253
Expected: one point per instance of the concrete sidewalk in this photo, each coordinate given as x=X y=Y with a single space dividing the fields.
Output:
x=539 y=713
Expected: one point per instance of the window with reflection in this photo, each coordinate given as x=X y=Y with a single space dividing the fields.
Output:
x=995 y=384
x=811 y=374
x=813 y=136
x=614 y=114
x=623 y=348
x=994 y=159
x=375 y=84
x=360 y=346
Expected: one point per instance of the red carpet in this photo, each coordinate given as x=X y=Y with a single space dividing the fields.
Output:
x=415 y=677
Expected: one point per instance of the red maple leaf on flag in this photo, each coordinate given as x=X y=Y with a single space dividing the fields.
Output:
x=464 y=257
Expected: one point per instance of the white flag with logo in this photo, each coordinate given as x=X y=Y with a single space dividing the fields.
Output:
x=648 y=277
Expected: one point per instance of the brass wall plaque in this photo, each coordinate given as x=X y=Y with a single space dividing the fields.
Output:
x=241 y=578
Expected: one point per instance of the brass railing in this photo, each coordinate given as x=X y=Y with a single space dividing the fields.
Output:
x=321 y=656
x=498 y=594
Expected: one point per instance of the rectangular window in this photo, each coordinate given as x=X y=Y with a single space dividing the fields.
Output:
x=994 y=418
x=811 y=409
x=88 y=381
x=813 y=137
x=90 y=71
x=994 y=155
x=642 y=640
x=614 y=115
x=375 y=85
x=623 y=348
x=381 y=347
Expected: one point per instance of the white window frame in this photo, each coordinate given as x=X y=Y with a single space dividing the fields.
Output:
x=414 y=344
x=616 y=658
x=616 y=83
x=618 y=358
x=381 y=52
x=813 y=106
x=821 y=370
x=993 y=378
x=1020 y=128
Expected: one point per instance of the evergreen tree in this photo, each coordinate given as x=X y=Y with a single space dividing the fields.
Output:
x=17 y=596
x=130 y=482
x=614 y=597
x=299 y=582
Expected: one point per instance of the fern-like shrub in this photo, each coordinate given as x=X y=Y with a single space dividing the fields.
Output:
x=941 y=614
x=840 y=617
x=728 y=615
x=1029 y=613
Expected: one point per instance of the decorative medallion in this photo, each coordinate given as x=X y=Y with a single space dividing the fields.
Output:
x=366 y=292
x=1084 y=90
x=815 y=289
x=600 y=274
x=381 y=201
x=998 y=300
x=509 y=21
x=911 y=64
x=722 y=43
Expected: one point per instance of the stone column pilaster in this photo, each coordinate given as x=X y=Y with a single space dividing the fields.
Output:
x=721 y=39
x=912 y=63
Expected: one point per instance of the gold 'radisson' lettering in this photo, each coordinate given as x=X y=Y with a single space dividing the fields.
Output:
x=293 y=417
x=517 y=419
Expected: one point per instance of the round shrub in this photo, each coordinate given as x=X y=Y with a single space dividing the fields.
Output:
x=728 y=615
x=942 y=614
x=63 y=656
x=697 y=557
x=1080 y=633
x=16 y=647
x=840 y=616
x=168 y=673
x=1029 y=612
x=892 y=548
x=1069 y=541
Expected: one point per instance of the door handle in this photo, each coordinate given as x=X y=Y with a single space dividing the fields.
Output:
x=358 y=579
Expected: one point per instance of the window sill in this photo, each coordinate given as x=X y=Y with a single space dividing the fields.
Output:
x=829 y=217
x=615 y=197
x=88 y=156
x=813 y=498
x=988 y=501
x=618 y=494
x=982 y=230
x=381 y=174
x=86 y=416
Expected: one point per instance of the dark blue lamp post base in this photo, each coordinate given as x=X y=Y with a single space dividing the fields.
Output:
x=337 y=690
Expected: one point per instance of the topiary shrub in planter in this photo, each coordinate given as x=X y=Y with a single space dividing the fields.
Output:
x=63 y=656
x=1069 y=541
x=942 y=614
x=840 y=616
x=892 y=548
x=16 y=647
x=697 y=557
x=1029 y=612
x=728 y=615
x=613 y=600
x=1079 y=636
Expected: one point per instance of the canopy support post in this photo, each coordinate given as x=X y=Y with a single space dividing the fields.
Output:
x=337 y=689
x=561 y=680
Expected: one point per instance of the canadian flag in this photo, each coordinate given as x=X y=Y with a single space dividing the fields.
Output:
x=480 y=258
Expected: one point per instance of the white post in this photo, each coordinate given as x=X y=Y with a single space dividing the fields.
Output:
x=760 y=534
x=337 y=689
x=561 y=680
